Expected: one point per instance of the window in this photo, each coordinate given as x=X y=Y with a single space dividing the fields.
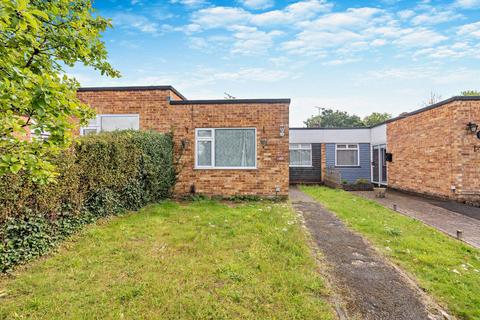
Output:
x=111 y=122
x=300 y=155
x=347 y=155
x=226 y=148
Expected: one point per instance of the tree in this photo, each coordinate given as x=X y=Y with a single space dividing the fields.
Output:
x=470 y=93
x=434 y=98
x=376 y=118
x=37 y=39
x=329 y=118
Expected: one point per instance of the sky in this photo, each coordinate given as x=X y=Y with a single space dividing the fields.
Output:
x=357 y=56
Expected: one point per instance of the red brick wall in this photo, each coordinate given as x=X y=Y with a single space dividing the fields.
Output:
x=432 y=152
x=156 y=113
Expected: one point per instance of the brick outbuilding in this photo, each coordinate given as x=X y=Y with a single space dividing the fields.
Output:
x=225 y=147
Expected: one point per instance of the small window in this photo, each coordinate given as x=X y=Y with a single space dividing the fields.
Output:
x=300 y=155
x=347 y=155
x=226 y=148
x=111 y=122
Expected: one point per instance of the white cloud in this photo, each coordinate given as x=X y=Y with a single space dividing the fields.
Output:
x=137 y=22
x=350 y=28
x=468 y=4
x=257 y=4
x=295 y=12
x=435 y=17
x=215 y=17
x=405 y=14
x=189 y=3
x=419 y=37
x=378 y=42
x=472 y=29
x=251 y=41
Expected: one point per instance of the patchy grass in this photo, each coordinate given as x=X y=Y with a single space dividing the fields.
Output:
x=198 y=260
x=446 y=268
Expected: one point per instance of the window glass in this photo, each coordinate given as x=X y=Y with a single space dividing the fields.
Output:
x=234 y=148
x=204 y=153
x=204 y=133
x=347 y=155
x=300 y=154
x=113 y=123
x=226 y=148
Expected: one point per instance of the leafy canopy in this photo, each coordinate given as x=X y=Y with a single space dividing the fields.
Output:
x=329 y=118
x=37 y=39
x=470 y=93
x=376 y=118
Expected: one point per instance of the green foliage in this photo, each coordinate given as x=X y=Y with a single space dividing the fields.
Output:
x=38 y=38
x=362 y=181
x=470 y=93
x=344 y=181
x=329 y=118
x=376 y=118
x=101 y=175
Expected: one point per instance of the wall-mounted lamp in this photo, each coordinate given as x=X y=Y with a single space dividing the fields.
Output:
x=472 y=127
x=282 y=131
x=264 y=142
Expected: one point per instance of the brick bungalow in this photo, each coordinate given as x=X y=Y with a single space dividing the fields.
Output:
x=433 y=151
x=436 y=150
x=226 y=147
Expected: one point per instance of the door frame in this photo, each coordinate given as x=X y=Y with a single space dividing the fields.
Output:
x=380 y=173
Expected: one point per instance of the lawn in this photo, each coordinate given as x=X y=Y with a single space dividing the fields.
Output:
x=445 y=268
x=195 y=260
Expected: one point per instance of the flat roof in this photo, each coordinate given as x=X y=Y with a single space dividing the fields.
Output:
x=133 y=88
x=408 y=114
x=230 y=101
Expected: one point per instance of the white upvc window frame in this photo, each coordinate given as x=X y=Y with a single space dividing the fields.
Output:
x=300 y=165
x=357 y=148
x=98 y=121
x=212 y=155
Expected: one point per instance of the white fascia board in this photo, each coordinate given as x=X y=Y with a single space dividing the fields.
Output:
x=330 y=135
x=379 y=134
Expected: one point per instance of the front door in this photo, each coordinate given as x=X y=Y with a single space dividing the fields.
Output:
x=379 y=165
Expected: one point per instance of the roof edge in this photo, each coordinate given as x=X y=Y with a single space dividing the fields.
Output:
x=339 y=128
x=230 y=101
x=133 y=88
x=433 y=106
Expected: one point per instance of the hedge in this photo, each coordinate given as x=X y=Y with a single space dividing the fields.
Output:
x=100 y=176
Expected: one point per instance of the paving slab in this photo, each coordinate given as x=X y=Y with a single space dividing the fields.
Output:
x=371 y=287
x=445 y=216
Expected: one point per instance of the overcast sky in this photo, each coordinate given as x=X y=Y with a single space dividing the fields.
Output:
x=357 y=56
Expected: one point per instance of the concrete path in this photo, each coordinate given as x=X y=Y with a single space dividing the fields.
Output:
x=445 y=216
x=372 y=288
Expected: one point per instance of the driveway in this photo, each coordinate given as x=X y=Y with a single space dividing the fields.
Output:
x=446 y=216
x=371 y=287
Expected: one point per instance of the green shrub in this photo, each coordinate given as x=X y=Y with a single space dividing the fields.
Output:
x=101 y=175
x=362 y=181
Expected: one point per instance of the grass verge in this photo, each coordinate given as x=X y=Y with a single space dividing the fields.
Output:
x=198 y=260
x=447 y=269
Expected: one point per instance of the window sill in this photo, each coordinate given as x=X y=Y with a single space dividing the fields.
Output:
x=301 y=166
x=347 y=166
